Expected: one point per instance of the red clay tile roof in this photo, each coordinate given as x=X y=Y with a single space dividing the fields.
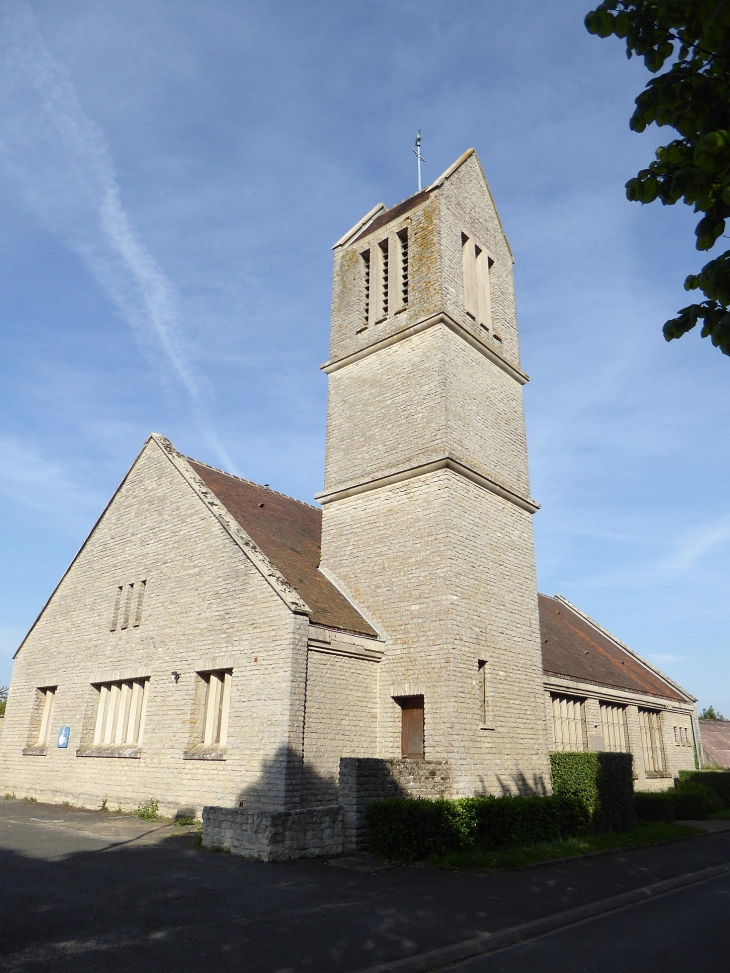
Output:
x=715 y=736
x=572 y=647
x=289 y=533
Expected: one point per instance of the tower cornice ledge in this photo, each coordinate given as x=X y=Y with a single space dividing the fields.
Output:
x=445 y=462
x=430 y=322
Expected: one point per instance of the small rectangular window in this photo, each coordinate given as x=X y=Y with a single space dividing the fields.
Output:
x=614 y=728
x=120 y=712
x=652 y=745
x=569 y=723
x=44 y=731
x=412 y=727
x=217 y=701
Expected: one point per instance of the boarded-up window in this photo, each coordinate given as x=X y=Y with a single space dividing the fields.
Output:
x=614 y=728
x=120 y=712
x=217 y=699
x=411 y=737
x=655 y=764
x=569 y=723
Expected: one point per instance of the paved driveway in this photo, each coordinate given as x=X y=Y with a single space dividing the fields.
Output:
x=89 y=891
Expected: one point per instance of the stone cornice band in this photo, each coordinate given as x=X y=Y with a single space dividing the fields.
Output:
x=441 y=463
x=413 y=329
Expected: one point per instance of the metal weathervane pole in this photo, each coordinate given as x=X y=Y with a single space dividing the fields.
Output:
x=417 y=150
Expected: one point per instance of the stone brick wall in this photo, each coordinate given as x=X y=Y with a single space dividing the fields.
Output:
x=341 y=718
x=365 y=780
x=205 y=607
x=274 y=835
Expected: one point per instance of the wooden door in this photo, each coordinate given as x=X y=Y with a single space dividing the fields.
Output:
x=411 y=737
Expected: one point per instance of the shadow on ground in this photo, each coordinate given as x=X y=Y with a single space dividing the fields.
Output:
x=73 y=900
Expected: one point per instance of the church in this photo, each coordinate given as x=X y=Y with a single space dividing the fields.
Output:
x=216 y=643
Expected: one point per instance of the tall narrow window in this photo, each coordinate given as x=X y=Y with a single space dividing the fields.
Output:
x=44 y=730
x=485 y=707
x=217 y=699
x=366 y=288
x=117 y=605
x=141 y=588
x=468 y=263
x=120 y=712
x=613 y=728
x=403 y=237
x=569 y=723
x=655 y=764
x=484 y=300
x=383 y=280
x=129 y=594
x=411 y=734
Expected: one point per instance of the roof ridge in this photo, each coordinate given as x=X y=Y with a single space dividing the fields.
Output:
x=242 y=479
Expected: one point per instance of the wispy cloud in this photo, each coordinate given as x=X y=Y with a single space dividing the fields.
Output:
x=665 y=658
x=28 y=477
x=702 y=543
x=61 y=162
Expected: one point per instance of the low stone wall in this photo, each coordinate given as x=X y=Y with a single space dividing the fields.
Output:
x=274 y=835
x=366 y=779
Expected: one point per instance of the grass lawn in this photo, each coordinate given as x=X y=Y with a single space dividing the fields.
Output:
x=722 y=815
x=642 y=834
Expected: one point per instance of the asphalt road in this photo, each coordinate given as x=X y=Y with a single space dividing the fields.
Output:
x=680 y=932
x=85 y=891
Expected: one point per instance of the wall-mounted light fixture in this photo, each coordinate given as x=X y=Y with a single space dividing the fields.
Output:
x=175 y=675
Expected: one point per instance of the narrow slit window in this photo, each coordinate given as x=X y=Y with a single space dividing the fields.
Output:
x=117 y=605
x=140 y=600
x=217 y=701
x=120 y=712
x=403 y=237
x=468 y=262
x=44 y=730
x=485 y=708
x=483 y=264
x=127 y=606
x=384 y=279
x=366 y=267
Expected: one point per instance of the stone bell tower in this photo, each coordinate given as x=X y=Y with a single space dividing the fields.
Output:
x=426 y=504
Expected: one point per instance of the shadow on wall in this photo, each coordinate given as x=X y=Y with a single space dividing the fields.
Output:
x=285 y=781
x=522 y=787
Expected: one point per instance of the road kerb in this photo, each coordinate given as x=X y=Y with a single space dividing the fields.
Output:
x=445 y=956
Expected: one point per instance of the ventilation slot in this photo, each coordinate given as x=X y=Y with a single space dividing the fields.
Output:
x=403 y=237
x=366 y=262
x=384 y=278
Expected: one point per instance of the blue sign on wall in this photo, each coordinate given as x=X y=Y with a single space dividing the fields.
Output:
x=64 y=732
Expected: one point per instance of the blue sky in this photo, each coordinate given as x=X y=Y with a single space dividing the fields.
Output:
x=172 y=177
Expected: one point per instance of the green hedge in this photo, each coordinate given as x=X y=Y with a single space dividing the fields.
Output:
x=654 y=806
x=412 y=829
x=604 y=781
x=717 y=781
